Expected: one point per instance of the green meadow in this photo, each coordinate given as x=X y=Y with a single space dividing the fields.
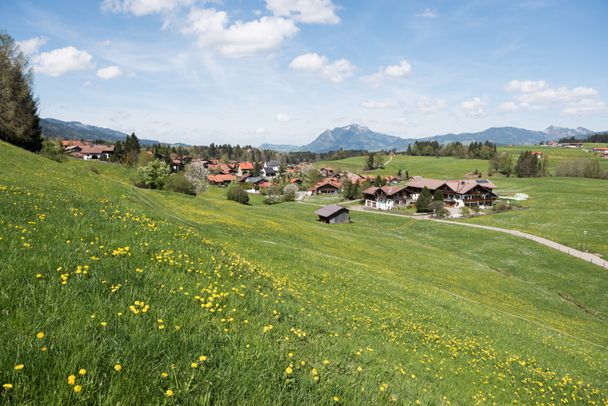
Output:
x=162 y=298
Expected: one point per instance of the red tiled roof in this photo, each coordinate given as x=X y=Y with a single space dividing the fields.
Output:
x=245 y=166
x=220 y=178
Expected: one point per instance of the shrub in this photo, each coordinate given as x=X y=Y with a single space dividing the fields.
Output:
x=289 y=193
x=273 y=199
x=465 y=211
x=442 y=213
x=153 y=175
x=501 y=206
x=196 y=173
x=424 y=201
x=180 y=184
x=237 y=193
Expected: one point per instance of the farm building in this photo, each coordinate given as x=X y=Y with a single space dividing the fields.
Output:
x=469 y=192
x=386 y=197
x=333 y=214
x=326 y=187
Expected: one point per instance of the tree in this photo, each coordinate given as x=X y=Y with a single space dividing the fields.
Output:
x=236 y=193
x=378 y=182
x=528 y=165
x=502 y=163
x=19 y=119
x=369 y=165
x=256 y=169
x=438 y=196
x=424 y=201
x=131 y=148
x=289 y=193
x=178 y=182
x=153 y=175
x=196 y=173
x=379 y=160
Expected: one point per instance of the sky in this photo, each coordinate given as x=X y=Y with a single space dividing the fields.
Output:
x=283 y=71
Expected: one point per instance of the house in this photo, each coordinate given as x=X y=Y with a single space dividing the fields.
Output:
x=468 y=192
x=333 y=214
x=96 y=151
x=268 y=172
x=176 y=165
x=386 y=197
x=244 y=168
x=220 y=179
x=326 y=187
x=275 y=165
x=326 y=171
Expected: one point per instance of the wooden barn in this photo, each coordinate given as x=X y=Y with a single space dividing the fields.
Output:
x=333 y=214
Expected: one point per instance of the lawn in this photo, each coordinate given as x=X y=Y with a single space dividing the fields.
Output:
x=264 y=304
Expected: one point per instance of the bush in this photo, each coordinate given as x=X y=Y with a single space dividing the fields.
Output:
x=289 y=193
x=237 y=193
x=153 y=175
x=465 y=211
x=442 y=213
x=179 y=184
x=501 y=206
x=196 y=173
x=273 y=199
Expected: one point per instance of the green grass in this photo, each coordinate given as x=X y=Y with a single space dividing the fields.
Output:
x=437 y=313
x=556 y=155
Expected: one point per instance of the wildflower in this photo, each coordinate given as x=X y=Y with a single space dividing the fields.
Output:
x=335 y=399
x=82 y=372
x=40 y=335
x=202 y=358
x=164 y=375
x=117 y=367
x=359 y=369
x=103 y=323
x=39 y=276
x=194 y=365
x=43 y=349
x=169 y=393
x=19 y=367
x=77 y=388
x=7 y=386
x=325 y=361
x=289 y=370
x=71 y=380
x=383 y=387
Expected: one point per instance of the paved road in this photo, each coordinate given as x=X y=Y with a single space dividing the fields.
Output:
x=585 y=256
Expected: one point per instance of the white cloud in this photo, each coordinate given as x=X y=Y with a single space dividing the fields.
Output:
x=538 y=95
x=377 y=104
x=105 y=43
x=428 y=13
x=427 y=106
x=143 y=7
x=62 y=60
x=336 y=71
x=261 y=130
x=213 y=30
x=311 y=62
x=473 y=107
x=110 y=72
x=392 y=71
x=283 y=118
x=305 y=11
x=32 y=45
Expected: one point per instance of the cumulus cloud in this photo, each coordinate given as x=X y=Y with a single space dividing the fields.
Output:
x=377 y=104
x=539 y=95
x=305 y=11
x=214 y=30
x=62 y=60
x=335 y=71
x=473 y=107
x=143 y=7
x=109 y=72
x=428 y=106
x=283 y=118
x=428 y=13
x=393 y=71
x=32 y=45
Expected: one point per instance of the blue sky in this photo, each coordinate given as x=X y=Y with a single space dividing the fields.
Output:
x=282 y=71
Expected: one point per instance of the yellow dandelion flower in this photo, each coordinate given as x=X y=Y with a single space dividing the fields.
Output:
x=202 y=358
x=43 y=349
x=71 y=380
x=359 y=369
x=7 y=386
x=325 y=361
x=117 y=367
x=19 y=367
x=40 y=335
x=77 y=388
x=289 y=370
x=164 y=375
x=194 y=365
x=103 y=323
x=383 y=387
x=335 y=399
x=82 y=372
x=169 y=393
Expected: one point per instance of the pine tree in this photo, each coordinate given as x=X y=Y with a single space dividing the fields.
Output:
x=424 y=201
x=370 y=162
x=19 y=120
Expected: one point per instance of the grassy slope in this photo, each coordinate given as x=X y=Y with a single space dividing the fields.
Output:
x=432 y=311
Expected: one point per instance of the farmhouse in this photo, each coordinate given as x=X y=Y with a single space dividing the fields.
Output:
x=221 y=179
x=96 y=151
x=333 y=214
x=245 y=168
x=469 y=192
x=326 y=187
x=386 y=197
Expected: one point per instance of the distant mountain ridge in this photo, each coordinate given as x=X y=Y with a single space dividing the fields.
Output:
x=74 y=130
x=357 y=137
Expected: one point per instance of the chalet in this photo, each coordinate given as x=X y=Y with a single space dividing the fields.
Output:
x=275 y=165
x=386 y=197
x=326 y=187
x=268 y=172
x=96 y=151
x=333 y=214
x=469 y=192
x=244 y=168
x=176 y=165
x=221 y=179
x=255 y=180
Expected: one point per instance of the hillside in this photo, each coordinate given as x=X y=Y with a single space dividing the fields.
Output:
x=74 y=130
x=263 y=302
x=356 y=137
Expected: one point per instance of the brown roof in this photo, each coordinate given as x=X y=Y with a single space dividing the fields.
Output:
x=458 y=186
x=96 y=149
x=246 y=165
x=388 y=190
x=220 y=178
x=330 y=210
x=326 y=183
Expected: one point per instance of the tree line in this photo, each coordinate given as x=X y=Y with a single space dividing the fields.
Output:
x=475 y=150
x=594 y=138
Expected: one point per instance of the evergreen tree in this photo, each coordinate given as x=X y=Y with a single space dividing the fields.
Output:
x=378 y=182
x=438 y=196
x=370 y=163
x=19 y=120
x=424 y=201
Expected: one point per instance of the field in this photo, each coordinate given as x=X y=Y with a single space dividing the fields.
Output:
x=165 y=298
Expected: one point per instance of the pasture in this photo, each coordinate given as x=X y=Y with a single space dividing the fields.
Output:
x=165 y=298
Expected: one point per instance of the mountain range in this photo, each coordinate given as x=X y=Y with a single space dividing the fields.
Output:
x=357 y=137
x=74 y=130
